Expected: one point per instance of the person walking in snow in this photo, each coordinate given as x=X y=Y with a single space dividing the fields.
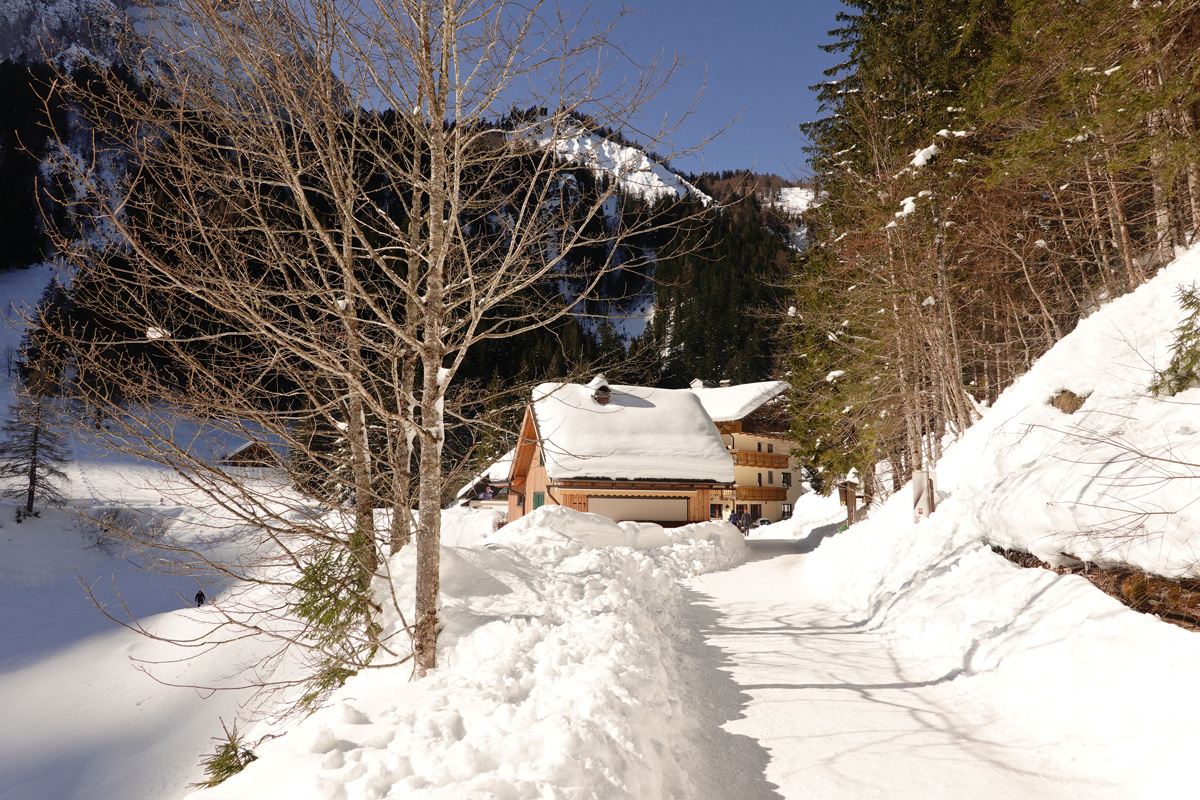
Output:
x=733 y=517
x=745 y=522
x=199 y=598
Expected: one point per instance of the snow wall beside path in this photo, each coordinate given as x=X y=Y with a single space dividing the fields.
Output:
x=1030 y=477
x=557 y=677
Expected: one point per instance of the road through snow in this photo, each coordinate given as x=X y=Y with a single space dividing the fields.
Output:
x=839 y=714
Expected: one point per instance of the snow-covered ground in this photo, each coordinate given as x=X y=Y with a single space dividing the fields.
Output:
x=587 y=659
x=907 y=660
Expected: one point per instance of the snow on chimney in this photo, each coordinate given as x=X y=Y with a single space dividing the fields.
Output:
x=600 y=389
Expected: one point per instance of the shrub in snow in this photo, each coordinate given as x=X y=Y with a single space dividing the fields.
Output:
x=331 y=614
x=103 y=528
x=1067 y=401
x=230 y=758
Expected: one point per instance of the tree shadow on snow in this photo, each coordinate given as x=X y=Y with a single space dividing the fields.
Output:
x=721 y=764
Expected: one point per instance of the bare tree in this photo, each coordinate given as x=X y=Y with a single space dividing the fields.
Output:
x=328 y=205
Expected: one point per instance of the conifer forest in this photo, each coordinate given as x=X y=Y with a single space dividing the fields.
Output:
x=989 y=173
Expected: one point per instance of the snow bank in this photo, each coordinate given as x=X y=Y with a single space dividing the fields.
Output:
x=1031 y=477
x=1114 y=482
x=813 y=515
x=1098 y=484
x=555 y=676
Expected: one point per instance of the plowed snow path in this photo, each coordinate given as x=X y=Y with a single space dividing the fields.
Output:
x=842 y=718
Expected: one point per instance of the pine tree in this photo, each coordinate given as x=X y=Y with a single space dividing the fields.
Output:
x=1184 y=370
x=33 y=450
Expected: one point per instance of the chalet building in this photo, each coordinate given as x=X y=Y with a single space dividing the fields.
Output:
x=753 y=424
x=250 y=454
x=626 y=452
x=489 y=489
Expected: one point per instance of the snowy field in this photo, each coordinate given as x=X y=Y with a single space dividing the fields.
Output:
x=586 y=659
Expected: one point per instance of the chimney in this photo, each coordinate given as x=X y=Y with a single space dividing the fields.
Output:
x=600 y=389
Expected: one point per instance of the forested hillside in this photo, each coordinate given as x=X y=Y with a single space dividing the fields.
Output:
x=989 y=172
x=689 y=301
x=689 y=293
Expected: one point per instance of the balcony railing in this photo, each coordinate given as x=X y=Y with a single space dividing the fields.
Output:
x=753 y=458
x=761 y=493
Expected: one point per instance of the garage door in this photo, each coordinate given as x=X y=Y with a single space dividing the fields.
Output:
x=640 y=509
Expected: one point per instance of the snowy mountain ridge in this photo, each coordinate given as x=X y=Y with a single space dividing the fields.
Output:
x=636 y=173
x=793 y=200
x=32 y=30
x=29 y=27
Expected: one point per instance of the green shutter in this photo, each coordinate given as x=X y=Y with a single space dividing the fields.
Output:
x=539 y=499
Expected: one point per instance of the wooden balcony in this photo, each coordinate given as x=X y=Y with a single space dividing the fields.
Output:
x=753 y=458
x=756 y=494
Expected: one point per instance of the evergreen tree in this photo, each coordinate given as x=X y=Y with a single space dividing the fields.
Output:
x=719 y=283
x=34 y=451
x=1183 y=372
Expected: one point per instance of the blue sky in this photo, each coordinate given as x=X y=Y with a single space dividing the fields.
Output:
x=760 y=56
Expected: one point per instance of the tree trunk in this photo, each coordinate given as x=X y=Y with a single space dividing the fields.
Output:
x=402 y=448
x=430 y=520
x=1120 y=225
x=429 y=530
x=1163 y=247
x=35 y=442
x=1188 y=117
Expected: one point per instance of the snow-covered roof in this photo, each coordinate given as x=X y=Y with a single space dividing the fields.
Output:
x=729 y=403
x=496 y=473
x=640 y=434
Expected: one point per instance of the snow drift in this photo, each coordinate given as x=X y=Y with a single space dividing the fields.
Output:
x=558 y=676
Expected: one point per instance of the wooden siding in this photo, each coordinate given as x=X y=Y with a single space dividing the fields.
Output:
x=698 y=499
x=698 y=506
x=579 y=502
x=538 y=482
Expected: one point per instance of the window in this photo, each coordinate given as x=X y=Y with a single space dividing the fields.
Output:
x=539 y=499
x=770 y=448
x=787 y=509
x=786 y=479
x=715 y=511
x=760 y=479
x=541 y=457
x=770 y=476
x=760 y=447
